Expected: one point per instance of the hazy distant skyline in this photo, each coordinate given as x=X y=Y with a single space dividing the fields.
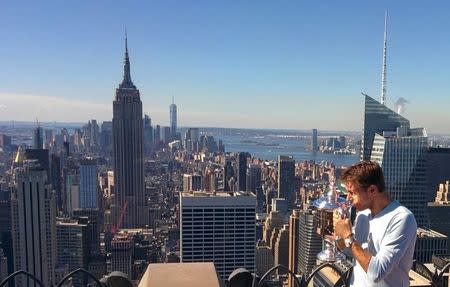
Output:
x=245 y=64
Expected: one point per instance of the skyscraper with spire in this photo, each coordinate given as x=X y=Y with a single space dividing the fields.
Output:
x=377 y=119
x=173 y=120
x=128 y=151
x=383 y=72
x=377 y=116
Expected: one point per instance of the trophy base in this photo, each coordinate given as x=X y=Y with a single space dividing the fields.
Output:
x=330 y=255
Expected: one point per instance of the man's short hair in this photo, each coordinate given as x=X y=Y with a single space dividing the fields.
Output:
x=365 y=174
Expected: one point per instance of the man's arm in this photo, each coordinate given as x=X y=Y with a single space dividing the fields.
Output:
x=343 y=228
x=363 y=256
x=397 y=243
x=399 y=237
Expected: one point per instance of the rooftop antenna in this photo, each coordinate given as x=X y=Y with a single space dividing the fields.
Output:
x=383 y=73
x=126 y=40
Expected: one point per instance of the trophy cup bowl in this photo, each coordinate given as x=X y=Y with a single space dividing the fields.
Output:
x=325 y=207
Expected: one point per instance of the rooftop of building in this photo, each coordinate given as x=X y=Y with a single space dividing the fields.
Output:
x=68 y=222
x=422 y=233
x=203 y=193
x=181 y=274
x=439 y=203
x=403 y=132
x=439 y=150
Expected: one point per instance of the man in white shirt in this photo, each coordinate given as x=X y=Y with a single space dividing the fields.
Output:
x=383 y=238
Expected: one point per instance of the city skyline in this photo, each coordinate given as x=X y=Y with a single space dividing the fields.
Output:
x=289 y=66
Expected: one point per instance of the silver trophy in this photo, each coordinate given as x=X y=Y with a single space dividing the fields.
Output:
x=325 y=206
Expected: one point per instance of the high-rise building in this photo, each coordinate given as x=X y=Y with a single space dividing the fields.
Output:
x=88 y=184
x=3 y=265
x=72 y=188
x=191 y=139
x=122 y=254
x=93 y=219
x=437 y=163
x=128 y=150
x=294 y=229
x=439 y=209
x=280 y=205
x=34 y=228
x=310 y=243
x=95 y=133
x=165 y=135
x=254 y=184
x=218 y=227
x=106 y=136
x=377 y=119
x=314 y=141
x=157 y=135
x=48 y=139
x=38 y=138
x=5 y=142
x=148 y=135
x=264 y=258
x=274 y=220
x=401 y=155
x=286 y=178
x=110 y=182
x=254 y=178
x=242 y=171
x=72 y=248
x=41 y=155
x=281 y=248
x=192 y=182
x=6 y=232
x=55 y=179
x=227 y=175
x=173 y=120
x=429 y=242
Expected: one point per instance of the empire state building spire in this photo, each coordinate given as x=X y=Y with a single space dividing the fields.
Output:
x=128 y=153
x=126 y=82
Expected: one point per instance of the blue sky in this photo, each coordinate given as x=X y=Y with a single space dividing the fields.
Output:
x=255 y=64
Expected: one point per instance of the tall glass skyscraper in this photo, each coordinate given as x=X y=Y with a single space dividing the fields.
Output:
x=286 y=177
x=38 y=141
x=173 y=120
x=128 y=151
x=88 y=184
x=33 y=209
x=401 y=155
x=242 y=171
x=309 y=243
x=400 y=151
x=377 y=119
x=218 y=227
x=314 y=141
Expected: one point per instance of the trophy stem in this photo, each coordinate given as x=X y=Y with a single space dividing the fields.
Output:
x=330 y=253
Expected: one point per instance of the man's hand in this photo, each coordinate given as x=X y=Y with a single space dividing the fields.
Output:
x=342 y=227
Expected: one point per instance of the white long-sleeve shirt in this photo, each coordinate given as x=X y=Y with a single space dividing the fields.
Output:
x=390 y=236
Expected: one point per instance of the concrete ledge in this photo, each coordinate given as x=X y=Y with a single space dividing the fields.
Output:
x=181 y=274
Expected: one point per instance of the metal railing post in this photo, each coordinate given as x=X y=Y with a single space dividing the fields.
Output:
x=82 y=271
x=13 y=275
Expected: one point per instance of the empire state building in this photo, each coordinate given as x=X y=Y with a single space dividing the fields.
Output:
x=128 y=152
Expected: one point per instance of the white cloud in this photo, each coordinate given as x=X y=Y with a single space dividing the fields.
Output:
x=28 y=107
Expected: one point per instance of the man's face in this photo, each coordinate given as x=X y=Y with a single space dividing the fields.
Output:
x=358 y=196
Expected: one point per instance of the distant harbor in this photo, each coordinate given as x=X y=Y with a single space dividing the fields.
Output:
x=268 y=144
x=263 y=144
